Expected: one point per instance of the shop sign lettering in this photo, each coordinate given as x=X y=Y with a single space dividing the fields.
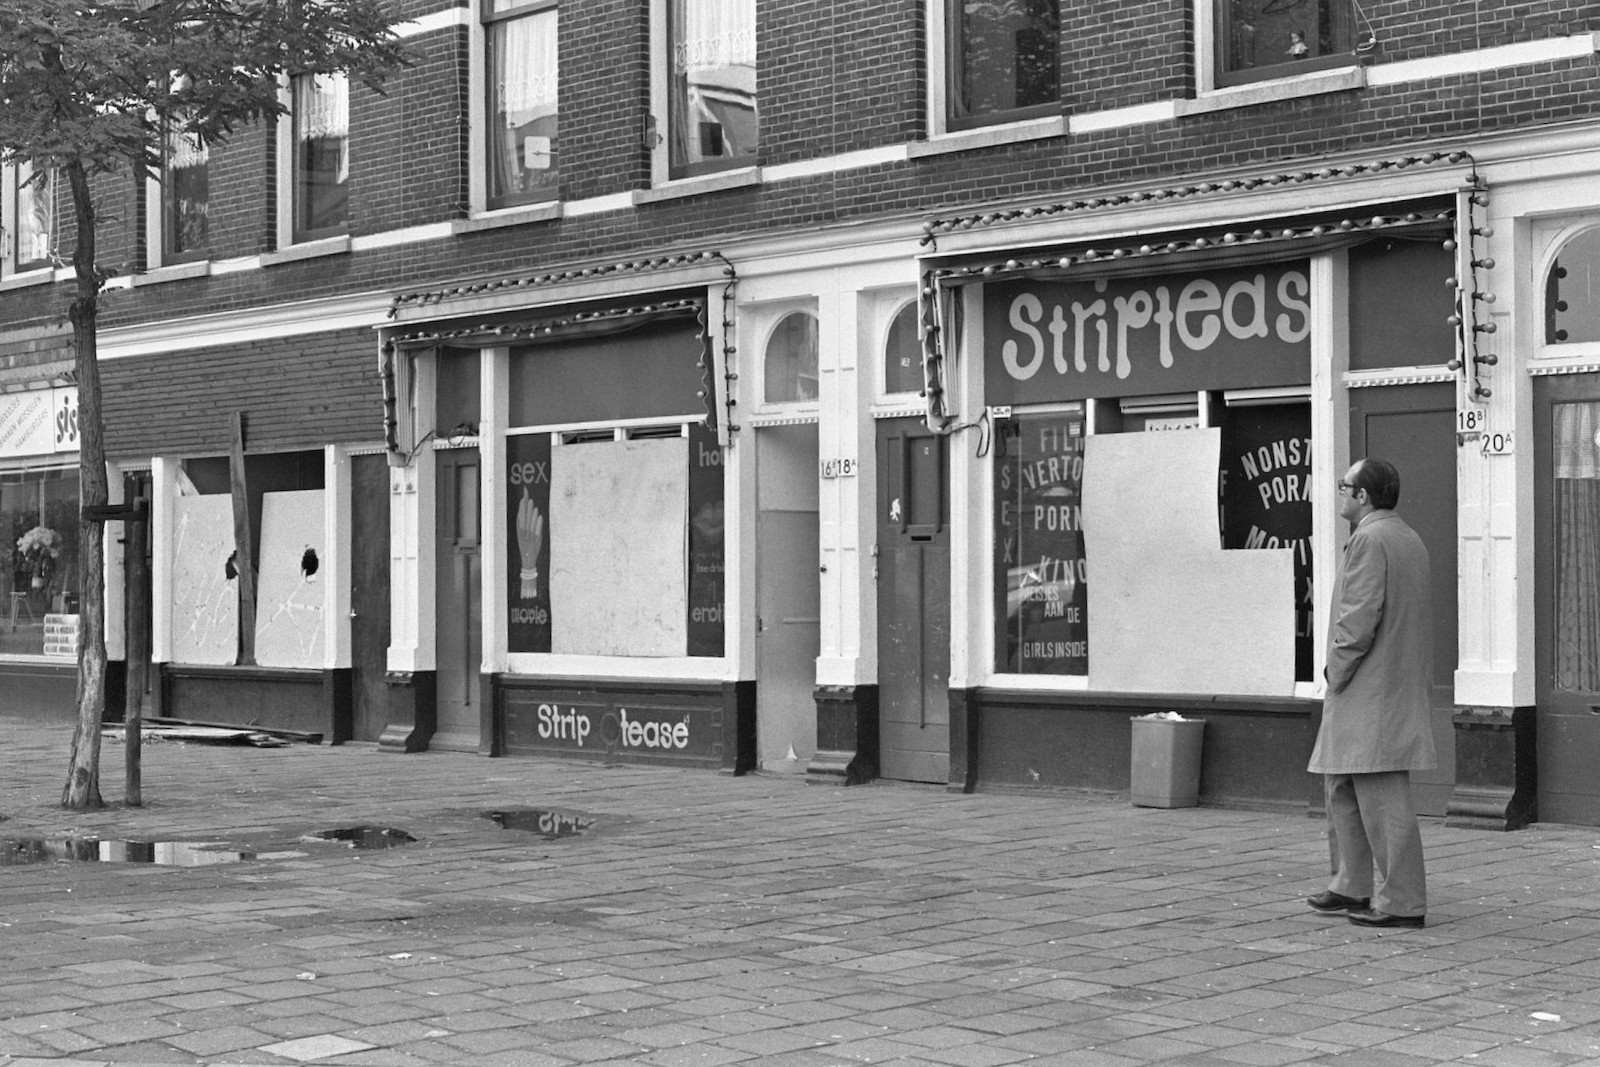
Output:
x=39 y=422
x=610 y=729
x=1225 y=328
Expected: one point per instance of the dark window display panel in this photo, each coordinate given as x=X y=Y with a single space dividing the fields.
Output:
x=39 y=563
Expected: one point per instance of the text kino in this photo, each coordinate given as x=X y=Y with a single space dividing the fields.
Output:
x=1113 y=333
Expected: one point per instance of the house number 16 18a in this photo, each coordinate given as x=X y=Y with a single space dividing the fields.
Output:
x=839 y=468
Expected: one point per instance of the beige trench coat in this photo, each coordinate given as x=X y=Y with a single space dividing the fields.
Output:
x=1377 y=711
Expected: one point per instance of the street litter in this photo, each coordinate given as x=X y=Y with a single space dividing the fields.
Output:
x=1545 y=1017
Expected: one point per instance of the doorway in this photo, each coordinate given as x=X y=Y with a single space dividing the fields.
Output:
x=913 y=602
x=459 y=591
x=788 y=596
x=1414 y=427
x=1567 y=595
x=369 y=595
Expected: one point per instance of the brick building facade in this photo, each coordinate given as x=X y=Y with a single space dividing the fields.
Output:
x=860 y=305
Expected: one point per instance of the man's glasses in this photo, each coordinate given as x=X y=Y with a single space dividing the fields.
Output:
x=1346 y=487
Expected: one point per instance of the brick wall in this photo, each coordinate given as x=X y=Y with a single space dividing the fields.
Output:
x=297 y=393
x=604 y=97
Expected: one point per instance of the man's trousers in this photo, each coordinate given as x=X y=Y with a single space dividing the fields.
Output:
x=1371 y=824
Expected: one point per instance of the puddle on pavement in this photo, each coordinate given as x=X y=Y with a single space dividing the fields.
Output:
x=363 y=837
x=551 y=825
x=17 y=852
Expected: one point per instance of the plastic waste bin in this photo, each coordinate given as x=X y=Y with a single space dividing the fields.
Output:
x=1165 y=770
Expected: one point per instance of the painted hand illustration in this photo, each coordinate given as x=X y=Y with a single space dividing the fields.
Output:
x=530 y=538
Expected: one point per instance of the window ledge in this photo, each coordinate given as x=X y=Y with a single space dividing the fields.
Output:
x=42 y=276
x=511 y=216
x=990 y=136
x=327 y=246
x=1324 y=81
x=173 y=272
x=700 y=184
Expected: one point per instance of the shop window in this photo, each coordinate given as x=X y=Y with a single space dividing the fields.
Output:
x=1002 y=61
x=791 y=360
x=1044 y=532
x=28 y=219
x=902 y=353
x=1572 y=291
x=185 y=197
x=713 y=117
x=1255 y=40
x=616 y=542
x=523 y=76
x=39 y=561
x=320 y=155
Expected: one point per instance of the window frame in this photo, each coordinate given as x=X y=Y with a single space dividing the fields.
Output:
x=481 y=110
x=290 y=201
x=657 y=126
x=944 y=67
x=12 y=180
x=164 y=226
x=779 y=320
x=1211 y=23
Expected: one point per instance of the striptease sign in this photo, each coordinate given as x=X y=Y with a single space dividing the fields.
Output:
x=39 y=422
x=1224 y=328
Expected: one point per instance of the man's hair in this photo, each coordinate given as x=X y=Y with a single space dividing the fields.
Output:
x=1381 y=481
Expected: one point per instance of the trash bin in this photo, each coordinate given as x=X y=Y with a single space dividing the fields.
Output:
x=1165 y=771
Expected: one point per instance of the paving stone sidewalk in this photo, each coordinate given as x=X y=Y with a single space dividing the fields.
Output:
x=702 y=919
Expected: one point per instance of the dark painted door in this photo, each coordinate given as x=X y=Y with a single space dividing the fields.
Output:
x=1414 y=428
x=458 y=619
x=369 y=594
x=913 y=603
x=1567 y=595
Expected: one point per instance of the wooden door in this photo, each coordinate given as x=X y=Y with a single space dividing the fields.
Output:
x=913 y=603
x=1567 y=596
x=369 y=595
x=459 y=618
x=1414 y=427
x=788 y=595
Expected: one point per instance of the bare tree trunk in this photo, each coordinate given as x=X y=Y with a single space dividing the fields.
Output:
x=135 y=538
x=82 y=789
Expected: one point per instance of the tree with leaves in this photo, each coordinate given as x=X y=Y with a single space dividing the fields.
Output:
x=90 y=90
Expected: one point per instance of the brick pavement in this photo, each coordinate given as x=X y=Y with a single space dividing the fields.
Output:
x=707 y=920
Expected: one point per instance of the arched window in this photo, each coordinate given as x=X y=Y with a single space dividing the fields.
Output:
x=902 y=353
x=1572 y=291
x=791 y=364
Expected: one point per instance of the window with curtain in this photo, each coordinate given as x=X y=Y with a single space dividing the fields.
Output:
x=1576 y=500
x=30 y=218
x=902 y=355
x=791 y=360
x=713 y=118
x=1261 y=39
x=185 y=197
x=1004 y=58
x=523 y=69
x=1572 y=291
x=321 y=104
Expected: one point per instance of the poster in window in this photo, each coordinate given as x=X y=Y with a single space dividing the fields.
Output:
x=707 y=582
x=528 y=516
x=1266 y=497
x=1042 y=611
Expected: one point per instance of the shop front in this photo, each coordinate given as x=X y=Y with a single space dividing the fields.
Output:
x=1168 y=414
x=561 y=483
x=39 y=541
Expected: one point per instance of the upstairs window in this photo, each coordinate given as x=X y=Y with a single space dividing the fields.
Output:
x=185 y=197
x=1003 y=60
x=713 y=119
x=29 y=219
x=1261 y=39
x=520 y=37
x=320 y=155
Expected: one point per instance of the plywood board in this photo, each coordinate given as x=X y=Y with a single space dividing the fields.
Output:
x=205 y=601
x=291 y=585
x=618 y=545
x=1170 y=610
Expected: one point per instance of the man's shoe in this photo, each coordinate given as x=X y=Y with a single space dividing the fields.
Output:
x=1331 y=901
x=1368 y=917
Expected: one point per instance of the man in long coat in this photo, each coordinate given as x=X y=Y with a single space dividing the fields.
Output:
x=1376 y=714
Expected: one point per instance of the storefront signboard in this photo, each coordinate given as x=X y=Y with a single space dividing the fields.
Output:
x=39 y=422
x=602 y=725
x=528 y=516
x=707 y=578
x=1224 y=328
